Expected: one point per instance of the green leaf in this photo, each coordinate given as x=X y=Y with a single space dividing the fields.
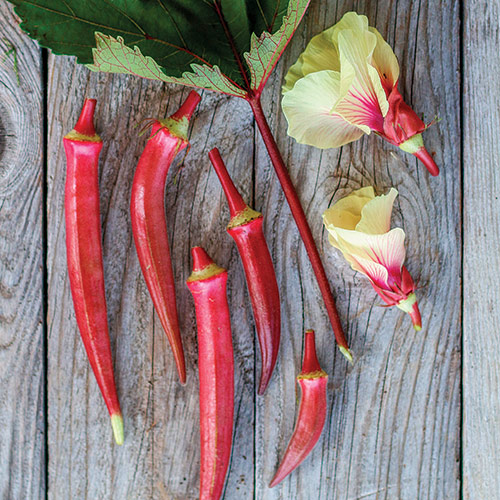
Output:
x=201 y=43
x=266 y=50
x=111 y=55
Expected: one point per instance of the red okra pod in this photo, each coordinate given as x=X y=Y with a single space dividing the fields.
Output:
x=245 y=227
x=312 y=411
x=149 y=225
x=207 y=284
x=84 y=255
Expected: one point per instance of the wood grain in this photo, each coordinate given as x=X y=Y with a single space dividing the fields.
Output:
x=22 y=363
x=481 y=204
x=393 y=429
x=161 y=452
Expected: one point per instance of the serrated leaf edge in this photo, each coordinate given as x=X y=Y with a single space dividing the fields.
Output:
x=294 y=15
x=202 y=75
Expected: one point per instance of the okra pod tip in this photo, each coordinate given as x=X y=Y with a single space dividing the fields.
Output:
x=117 y=426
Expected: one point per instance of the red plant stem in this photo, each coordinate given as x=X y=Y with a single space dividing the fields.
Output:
x=207 y=284
x=234 y=199
x=416 y=318
x=245 y=228
x=187 y=107
x=301 y=221
x=84 y=255
x=425 y=157
x=149 y=225
x=312 y=412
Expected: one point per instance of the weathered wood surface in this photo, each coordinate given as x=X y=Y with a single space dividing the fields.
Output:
x=394 y=422
x=160 y=455
x=481 y=225
x=393 y=428
x=22 y=365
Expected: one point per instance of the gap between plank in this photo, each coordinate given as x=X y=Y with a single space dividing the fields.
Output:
x=44 y=78
x=461 y=20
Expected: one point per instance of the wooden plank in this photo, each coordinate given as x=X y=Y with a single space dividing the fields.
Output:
x=394 y=421
x=160 y=457
x=393 y=428
x=22 y=363
x=481 y=205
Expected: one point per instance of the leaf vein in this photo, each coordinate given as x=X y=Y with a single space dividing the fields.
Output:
x=174 y=23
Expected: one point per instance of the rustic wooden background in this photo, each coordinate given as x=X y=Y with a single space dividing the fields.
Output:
x=416 y=417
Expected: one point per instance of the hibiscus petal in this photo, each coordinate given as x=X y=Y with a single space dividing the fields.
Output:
x=362 y=101
x=350 y=21
x=346 y=212
x=307 y=108
x=320 y=54
x=377 y=273
x=386 y=249
x=322 y=51
x=376 y=215
x=385 y=62
x=333 y=240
